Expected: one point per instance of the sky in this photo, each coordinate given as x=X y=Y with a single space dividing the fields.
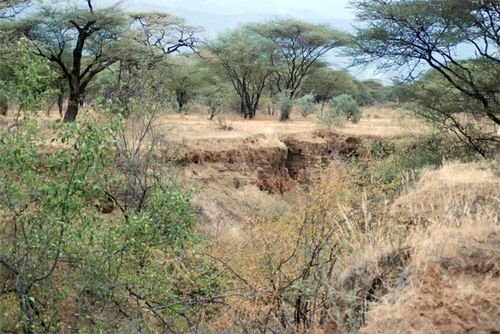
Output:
x=227 y=13
x=216 y=16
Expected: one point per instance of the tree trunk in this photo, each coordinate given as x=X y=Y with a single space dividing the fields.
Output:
x=242 y=107
x=181 y=100
x=25 y=312
x=253 y=111
x=285 y=114
x=4 y=106
x=73 y=106
x=60 y=100
x=245 y=110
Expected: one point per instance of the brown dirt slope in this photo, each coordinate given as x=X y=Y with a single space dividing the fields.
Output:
x=238 y=177
x=452 y=281
x=455 y=192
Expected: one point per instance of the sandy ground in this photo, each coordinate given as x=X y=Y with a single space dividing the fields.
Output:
x=196 y=129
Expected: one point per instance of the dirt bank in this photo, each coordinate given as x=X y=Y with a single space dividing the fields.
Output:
x=238 y=177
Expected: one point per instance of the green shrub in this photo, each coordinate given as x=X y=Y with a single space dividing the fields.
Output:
x=341 y=109
x=306 y=105
x=58 y=252
x=285 y=104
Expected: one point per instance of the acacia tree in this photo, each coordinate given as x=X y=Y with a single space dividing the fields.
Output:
x=297 y=47
x=397 y=33
x=78 y=41
x=325 y=83
x=183 y=81
x=162 y=31
x=83 y=42
x=244 y=58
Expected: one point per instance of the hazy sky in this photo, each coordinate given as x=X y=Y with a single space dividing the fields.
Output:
x=322 y=8
x=226 y=13
x=216 y=16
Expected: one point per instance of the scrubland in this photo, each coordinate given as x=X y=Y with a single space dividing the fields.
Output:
x=154 y=179
x=296 y=229
x=371 y=228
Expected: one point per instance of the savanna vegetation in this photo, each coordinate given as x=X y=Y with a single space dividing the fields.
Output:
x=99 y=234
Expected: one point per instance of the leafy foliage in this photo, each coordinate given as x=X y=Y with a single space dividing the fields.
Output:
x=285 y=104
x=31 y=81
x=306 y=105
x=244 y=58
x=57 y=248
x=447 y=109
x=341 y=109
x=297 y=47
x=398 y=33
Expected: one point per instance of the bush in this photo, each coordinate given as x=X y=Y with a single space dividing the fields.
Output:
x=71 y=265
x=285 y=104
x=287 y=267
x=341 y=109
x=306 y=105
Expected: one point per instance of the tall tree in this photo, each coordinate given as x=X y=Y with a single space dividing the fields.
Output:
x=244 y=58
x=397 y=33
x=298 y=46
x=83 y=42
x=78 y=41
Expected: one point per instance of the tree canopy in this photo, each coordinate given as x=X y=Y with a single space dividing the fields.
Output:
x=397 y=33
x=82 y=42
x=298 y=45
x=244 y=57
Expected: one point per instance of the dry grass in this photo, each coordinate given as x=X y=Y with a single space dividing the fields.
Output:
x=382 y=121
x=453 y=194
x=195 y=129
x=452 y=284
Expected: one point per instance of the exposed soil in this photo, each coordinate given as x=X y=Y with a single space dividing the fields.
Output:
x=307 y=155
x=458 y=294
x=272 y=164
x=239 y=176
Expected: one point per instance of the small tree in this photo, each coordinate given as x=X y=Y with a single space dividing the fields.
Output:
x=325 y=83
x=42 y=198
x=341 y=109
x=306 y=105
x=285 y=102
x=183 y=80
x=32 y=81
x=217 y=96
